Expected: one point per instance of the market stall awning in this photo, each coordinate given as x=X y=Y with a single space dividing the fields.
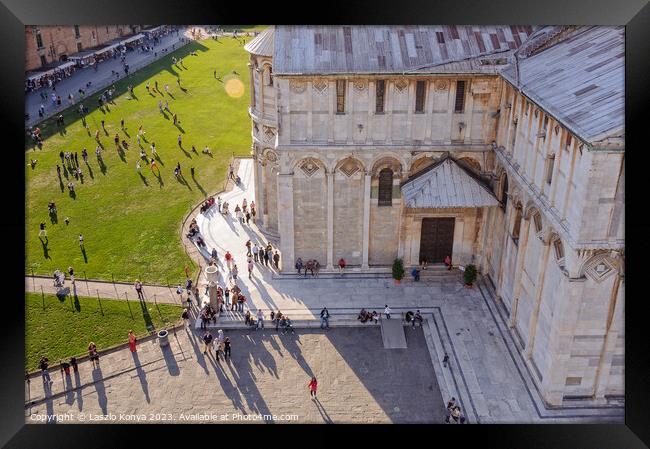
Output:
x=105 y=49
x=133 y=38
x=446 y=184
x=59 y=66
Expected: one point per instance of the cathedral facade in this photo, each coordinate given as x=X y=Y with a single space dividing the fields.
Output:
x=500 y=146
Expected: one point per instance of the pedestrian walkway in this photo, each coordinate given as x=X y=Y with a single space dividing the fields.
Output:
x=109 y=290
x=100 y=78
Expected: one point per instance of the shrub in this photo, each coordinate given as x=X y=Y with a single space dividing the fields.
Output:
x=398 y=269
x=470 y=274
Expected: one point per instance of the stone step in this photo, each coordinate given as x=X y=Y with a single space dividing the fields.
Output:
x=335 y=275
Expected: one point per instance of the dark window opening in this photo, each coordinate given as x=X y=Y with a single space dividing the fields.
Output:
x=379 y=102
x=504 y=192
x=559 y=249
x=460 y=96
x=517 y=225
x=419 y=96
x=39 y=40
x=537 y=220
x=340 y=96
x=568 y=142
x=79 y=46
x=43 y=60
x=77 y=34
x=549 y=173
x=385 y=194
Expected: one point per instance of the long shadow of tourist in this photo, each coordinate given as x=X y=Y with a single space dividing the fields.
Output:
x=61 y=186
x=143 y=179
x=199 y=186
x=142 y=376
x=46 y=250
x=120 y=153
x=101 y=390
x=197 y=346
x=228 y=388
x=291 y=342
x=69 y=393
x=102 y=166
x=54 y=217
x=170 y=360
x=90 y=171
x=77 y=383
x=145 y=314
x=83 y=252
x=322 y=411
x=73 y=194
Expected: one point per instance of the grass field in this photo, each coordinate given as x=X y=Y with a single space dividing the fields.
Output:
x=243 y=28
x=65 y=327
x=131 y=223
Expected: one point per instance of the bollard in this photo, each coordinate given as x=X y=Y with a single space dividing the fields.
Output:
x=128 y=304
x=100 y=303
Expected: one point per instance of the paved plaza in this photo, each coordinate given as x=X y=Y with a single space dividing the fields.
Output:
x=359 y=382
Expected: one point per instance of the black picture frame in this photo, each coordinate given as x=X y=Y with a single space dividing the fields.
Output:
x=634 y=14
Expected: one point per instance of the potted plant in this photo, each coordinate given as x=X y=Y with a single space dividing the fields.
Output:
x=469 y=276
x=398 y=270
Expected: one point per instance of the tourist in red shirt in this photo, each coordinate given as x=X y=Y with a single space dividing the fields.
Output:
x=313 y=385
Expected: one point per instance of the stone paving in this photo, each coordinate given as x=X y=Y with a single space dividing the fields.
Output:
x=358 y=382
x=486 y=370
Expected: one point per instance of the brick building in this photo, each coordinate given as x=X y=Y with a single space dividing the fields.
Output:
x=47 y=44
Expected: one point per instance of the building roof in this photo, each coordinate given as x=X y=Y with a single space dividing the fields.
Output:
x=445 y=185
x=262 y=45
x=579 y=80
x=387 y=49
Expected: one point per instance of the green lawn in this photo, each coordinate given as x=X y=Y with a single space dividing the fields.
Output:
x=65 y=327
x=131 y=225
x=243 y=28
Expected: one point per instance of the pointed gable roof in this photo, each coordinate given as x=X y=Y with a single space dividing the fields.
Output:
x=445 y=185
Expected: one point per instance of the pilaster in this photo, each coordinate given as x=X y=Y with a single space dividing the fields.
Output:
x=366 y=220
x=285 y=219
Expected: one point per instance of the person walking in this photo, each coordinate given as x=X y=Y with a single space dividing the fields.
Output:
x=255 y=250
x=207 y=339
x=267 y=255
x=43 y=365
x=448 y=261
x=132 y=341
x=299 y=265
x=276 y=260
x=228 y=258
x=417 y=318
x=234 y=272
x=260 y=319
x=261 y=255
x=324 y=318
x=138 y=289
x=387 y=312
x=313 y=386
x=226 y=348
x=250 y=268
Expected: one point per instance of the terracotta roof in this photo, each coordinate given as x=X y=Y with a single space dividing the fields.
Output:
x=387 y=49
x=579 y=80
x=446 y=185
x=262 y=45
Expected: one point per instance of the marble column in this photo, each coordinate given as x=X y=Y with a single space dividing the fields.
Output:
x=539 y=288
x=366 y=220
x=519 y=264
x=285 y=220
x=330 y=220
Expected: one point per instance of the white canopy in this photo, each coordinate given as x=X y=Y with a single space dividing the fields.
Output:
x=51 y=71
x=446 y=185
x=133 y=38
x=105 y=49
